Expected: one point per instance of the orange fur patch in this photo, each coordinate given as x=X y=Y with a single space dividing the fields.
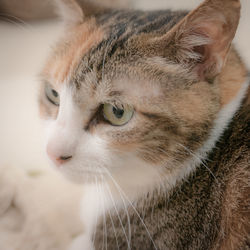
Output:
x=68 y=54
x=232 y=78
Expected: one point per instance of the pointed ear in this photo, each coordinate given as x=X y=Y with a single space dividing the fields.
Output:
x=201 y=41
x=70 y=11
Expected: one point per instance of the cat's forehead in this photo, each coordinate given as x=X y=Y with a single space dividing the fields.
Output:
x=69 y=51
x=104 y=45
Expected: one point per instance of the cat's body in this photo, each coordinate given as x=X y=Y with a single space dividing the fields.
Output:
x=135 y=102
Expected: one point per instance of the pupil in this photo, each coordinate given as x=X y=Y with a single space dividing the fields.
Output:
x=55 y=94
x=118 y=112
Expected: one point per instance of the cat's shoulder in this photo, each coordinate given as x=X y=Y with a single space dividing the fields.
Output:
x=234 y=162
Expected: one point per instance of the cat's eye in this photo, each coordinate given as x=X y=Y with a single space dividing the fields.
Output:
x=117 y=116
x=52 y=95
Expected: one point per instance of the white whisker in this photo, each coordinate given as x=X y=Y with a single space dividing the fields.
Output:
x=104 y=220
x=199 y=159
x=111 y=219
x=119 y=218
x=131 y=204
x=96 y=219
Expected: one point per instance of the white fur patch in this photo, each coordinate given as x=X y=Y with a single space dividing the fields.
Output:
x=66 y=136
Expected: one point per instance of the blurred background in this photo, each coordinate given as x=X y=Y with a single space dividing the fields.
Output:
x=27 y=30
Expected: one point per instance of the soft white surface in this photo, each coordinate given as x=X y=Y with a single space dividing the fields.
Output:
x=39 y=211
x=23 y=49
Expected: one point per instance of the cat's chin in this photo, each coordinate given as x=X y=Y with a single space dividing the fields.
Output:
x=83 y=177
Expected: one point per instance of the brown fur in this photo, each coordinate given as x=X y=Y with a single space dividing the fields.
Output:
x=235 y=224
x=177 y=70
x=203 y=212
x=233 y=72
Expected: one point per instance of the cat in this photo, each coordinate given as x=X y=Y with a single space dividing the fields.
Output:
x=149 y=111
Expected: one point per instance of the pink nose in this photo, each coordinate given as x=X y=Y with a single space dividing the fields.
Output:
x=57 y=158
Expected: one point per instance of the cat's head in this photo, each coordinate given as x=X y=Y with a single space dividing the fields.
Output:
x=131 y=94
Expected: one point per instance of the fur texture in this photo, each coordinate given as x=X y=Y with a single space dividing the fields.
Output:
x=185 y=83
x=209 y=210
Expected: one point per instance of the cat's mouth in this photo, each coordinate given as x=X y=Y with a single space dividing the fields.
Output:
x=84 y=175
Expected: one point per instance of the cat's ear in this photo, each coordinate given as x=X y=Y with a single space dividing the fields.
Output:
x=70 y=11
x=201 y=41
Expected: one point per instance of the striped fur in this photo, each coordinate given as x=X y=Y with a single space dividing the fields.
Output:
x=177 y=71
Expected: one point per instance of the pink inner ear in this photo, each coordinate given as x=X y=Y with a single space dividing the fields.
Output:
x=214 y=53
x=201 y=50
x=201 y=41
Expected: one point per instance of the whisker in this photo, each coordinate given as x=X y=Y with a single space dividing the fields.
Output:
x=200 y=160
x=131 y=204
x=96 y=220
x=112 y=222
x=128 y=219
x=104 y=220
x=106 y=235
x=119 y=218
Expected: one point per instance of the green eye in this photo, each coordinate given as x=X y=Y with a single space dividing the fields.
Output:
x=117 y=116
x=52 y=95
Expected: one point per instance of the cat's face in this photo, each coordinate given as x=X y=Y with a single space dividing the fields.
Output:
x=116 y=100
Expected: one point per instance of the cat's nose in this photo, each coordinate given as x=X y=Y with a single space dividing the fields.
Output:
x=58 y=159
